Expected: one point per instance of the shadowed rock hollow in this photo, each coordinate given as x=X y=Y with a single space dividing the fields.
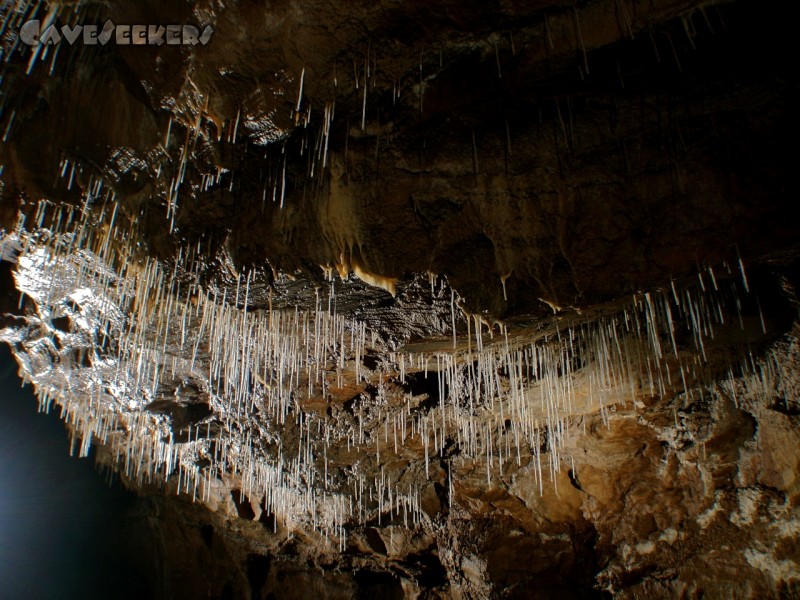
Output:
x=472 y=300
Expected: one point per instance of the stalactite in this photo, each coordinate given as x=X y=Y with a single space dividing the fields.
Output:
x=264 y=364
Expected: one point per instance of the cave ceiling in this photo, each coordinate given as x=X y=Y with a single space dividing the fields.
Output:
x=429 y=292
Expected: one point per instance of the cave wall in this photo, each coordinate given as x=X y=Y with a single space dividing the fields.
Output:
x=465 y=185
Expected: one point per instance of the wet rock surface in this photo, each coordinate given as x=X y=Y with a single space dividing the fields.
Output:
x=422 y=301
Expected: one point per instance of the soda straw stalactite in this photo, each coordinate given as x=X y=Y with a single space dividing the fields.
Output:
x=144 y=335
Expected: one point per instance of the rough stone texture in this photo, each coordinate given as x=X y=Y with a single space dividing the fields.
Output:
x=544 y=161
x=578 y=186
x=672 y=500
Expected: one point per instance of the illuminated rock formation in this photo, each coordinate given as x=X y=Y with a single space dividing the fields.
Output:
x=465 y=301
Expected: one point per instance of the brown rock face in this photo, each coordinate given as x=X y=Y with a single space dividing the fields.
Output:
x=397 y=300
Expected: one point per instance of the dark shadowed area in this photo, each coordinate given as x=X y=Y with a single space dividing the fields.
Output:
x=63 y=529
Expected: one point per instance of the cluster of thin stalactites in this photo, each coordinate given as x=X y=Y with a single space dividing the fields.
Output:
x=145 y=329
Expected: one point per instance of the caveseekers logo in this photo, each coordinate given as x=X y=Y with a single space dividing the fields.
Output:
x=33 y=33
